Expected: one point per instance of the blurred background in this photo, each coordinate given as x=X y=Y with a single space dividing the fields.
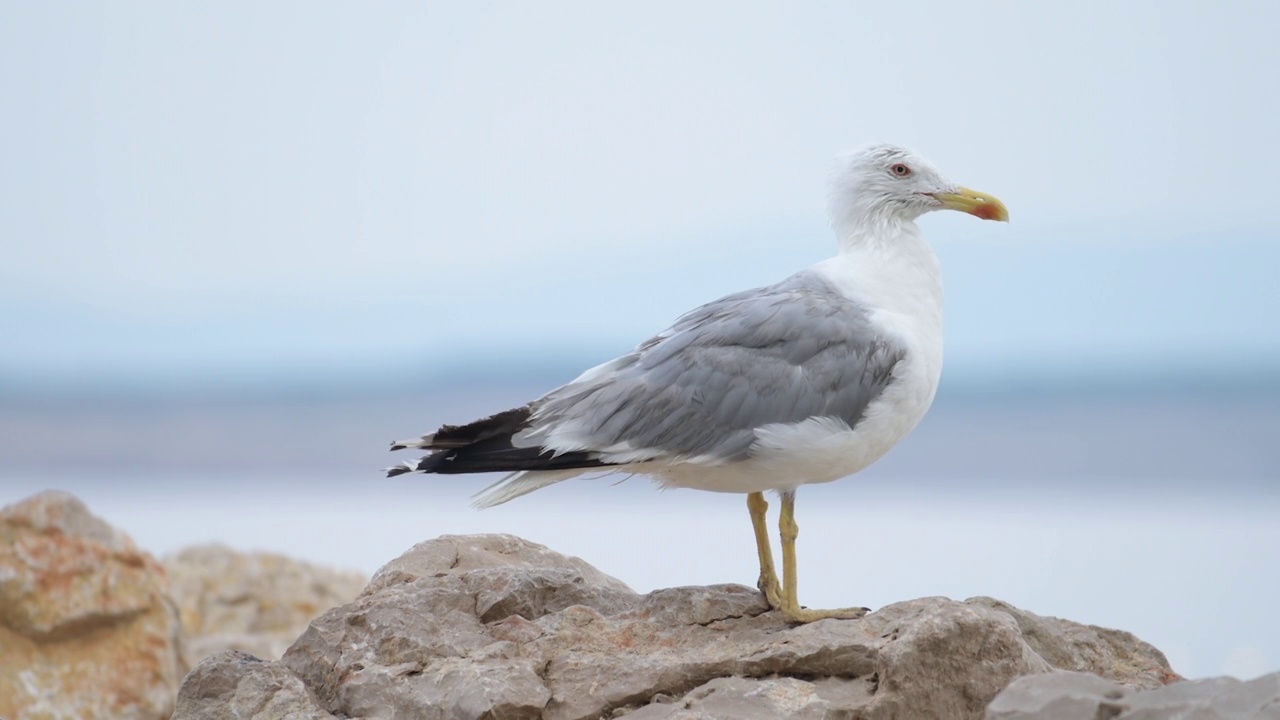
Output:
x=243 y=246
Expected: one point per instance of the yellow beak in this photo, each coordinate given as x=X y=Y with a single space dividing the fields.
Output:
x=978 y=204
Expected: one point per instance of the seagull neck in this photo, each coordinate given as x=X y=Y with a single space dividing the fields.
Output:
x=892 y=267
x=876 y=233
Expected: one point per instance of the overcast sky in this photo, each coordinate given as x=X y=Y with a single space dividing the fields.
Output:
x=244 y=186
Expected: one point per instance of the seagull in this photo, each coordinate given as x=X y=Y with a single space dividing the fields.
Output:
x=808 y=380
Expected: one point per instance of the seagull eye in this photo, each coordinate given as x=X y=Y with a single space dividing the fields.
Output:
x=900 y=169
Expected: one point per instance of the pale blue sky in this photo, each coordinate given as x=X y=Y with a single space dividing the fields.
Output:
x=241 y=187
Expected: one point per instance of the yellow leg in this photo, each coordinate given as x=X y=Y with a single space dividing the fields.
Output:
x=790 y=605
x=768 y=582
x=788 y=530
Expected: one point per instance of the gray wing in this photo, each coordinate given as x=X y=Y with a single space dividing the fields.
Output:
x=775 y=355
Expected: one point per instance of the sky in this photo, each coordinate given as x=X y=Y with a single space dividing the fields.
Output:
x=223 y=190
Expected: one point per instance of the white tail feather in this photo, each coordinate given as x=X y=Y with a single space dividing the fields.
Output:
x=520 y=483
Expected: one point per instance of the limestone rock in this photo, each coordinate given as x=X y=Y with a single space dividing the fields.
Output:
x=86 y=626
x=498 y=627
x=255 y=602
x=1069 y=645
x=759 y=699
x=1079 y=696
x=233 y=685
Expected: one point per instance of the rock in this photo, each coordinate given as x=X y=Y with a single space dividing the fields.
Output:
x=493 y=626
x=86 y=626
x=510 y=575
x=758 y=699
x=1061 y=694
x=1069 y=645
x=234 y=685
x=255 y=602
x=1079 y=696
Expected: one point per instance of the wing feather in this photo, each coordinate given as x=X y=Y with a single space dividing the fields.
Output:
x=777 y=355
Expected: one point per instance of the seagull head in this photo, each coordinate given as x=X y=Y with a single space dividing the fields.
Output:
x=886 y=183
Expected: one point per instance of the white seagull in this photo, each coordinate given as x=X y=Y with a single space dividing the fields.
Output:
x=808 y=380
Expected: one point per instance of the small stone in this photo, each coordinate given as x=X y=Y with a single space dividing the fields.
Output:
x=233 y=685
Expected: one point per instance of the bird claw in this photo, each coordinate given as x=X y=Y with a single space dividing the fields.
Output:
x=805 y=615
x=772 y=591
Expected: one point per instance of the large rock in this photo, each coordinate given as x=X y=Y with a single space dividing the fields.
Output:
x=1078 y=696
x=86 y=627
x=493 y=626
x=254 y=602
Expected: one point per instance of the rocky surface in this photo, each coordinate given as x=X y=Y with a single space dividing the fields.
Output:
x=236 y=685
x=1080 y=696
x=255 y=602
x=493 y=626
x=86 y=626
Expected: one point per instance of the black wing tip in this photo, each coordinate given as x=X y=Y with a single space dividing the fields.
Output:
x=398 y=446
x=398 y=470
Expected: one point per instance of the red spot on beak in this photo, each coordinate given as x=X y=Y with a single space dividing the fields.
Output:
x=986 y=211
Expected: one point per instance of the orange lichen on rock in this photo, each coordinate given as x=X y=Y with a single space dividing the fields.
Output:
x=86 y=626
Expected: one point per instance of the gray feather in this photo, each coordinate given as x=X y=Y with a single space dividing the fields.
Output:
x=779 y=354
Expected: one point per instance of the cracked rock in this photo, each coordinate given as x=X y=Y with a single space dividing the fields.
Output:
x=234 y=685
x=493 y=626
